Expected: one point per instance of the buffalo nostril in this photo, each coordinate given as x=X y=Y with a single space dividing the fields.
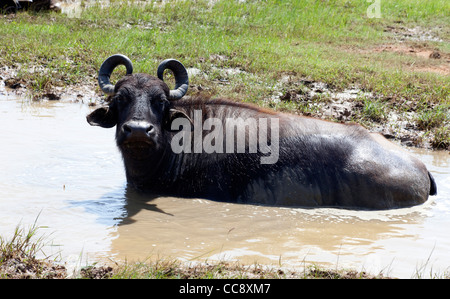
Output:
x=138 y=129
x=127 y=128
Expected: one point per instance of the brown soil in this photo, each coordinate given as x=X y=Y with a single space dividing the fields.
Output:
x=22 y=267
x=10 y=83
x=431 y=59
x=344 y=105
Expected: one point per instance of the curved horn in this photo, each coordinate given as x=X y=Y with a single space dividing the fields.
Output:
x=107 y=68
x=181 y=77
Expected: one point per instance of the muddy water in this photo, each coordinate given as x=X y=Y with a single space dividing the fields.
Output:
x=68 y=177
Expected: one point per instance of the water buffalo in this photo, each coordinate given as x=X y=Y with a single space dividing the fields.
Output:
x=187 y=147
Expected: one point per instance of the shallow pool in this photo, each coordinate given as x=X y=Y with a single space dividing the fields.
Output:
x=68 y=177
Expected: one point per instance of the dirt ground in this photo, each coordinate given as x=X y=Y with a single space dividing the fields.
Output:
x=343 y=106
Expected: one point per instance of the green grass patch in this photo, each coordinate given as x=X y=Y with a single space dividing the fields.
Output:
x=374 y=110
x=18 y=257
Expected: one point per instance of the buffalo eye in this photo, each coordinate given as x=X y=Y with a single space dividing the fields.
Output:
x=120 y=99
x=161 y=101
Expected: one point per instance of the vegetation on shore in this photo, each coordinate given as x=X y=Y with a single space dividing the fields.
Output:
x=390 y=74
x=18 y=257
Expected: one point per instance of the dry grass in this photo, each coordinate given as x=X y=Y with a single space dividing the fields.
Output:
x=18 y=257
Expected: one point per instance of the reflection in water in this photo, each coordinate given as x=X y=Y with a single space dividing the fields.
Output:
x=70 y=174
x=119 y=206
x=193 y=228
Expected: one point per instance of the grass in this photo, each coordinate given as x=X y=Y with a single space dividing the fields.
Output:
x=18 y=257
x=310 y=38
x=173 y=269
x=429 y=119
x=374 y=110
x=265 y=39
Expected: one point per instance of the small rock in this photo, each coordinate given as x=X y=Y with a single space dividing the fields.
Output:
x=13 y=83
x=52 y=97
x=192 y=72
x=435 y=55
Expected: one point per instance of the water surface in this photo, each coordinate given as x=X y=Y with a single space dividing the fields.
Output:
x=68 y=177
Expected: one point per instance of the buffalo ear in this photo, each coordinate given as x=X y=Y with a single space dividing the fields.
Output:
x=173 y=114
x=103 y=117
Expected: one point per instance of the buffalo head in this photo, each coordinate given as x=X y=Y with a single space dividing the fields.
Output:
x=140 y=106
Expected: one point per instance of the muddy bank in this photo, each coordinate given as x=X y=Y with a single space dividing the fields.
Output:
x=19 y=268
x=430 y=58
x=396 y=119
x=11 y=82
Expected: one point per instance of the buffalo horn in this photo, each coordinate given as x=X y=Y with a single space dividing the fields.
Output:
x=107 y=68
x=181 y=77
